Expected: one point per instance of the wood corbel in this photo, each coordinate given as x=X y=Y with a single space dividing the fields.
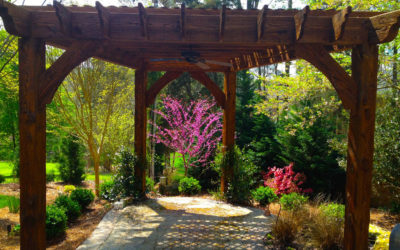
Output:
x=203 y=78
x=343 y=83
x=299 y=21
x=64 y=17
x=53 y=76
x=16 y=19
x=159 y=85
x=384 y=27
x=261 y=22
x=339 y=21
x=143 y=21
x=222 y=17
x=104 y=17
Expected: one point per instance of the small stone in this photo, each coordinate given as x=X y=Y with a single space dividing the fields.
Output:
x=118 y=205
x=394 y=243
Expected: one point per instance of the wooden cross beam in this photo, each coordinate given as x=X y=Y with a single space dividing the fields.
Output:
x=385 y=27
x=261 y=22
x=182 y=21
x=143 y=21
x=299 y=21
x=104 y=17
x=64 y=17
x=222 y=18
x=338 y=21
x=159 y=85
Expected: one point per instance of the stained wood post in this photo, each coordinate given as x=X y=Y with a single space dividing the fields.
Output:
x=361 y=147
x=228 y=129
x=32 y=129
x=140 y=128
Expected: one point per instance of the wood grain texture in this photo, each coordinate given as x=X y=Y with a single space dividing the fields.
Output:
x=341 y=81
x=228 y=129
x=104 y=17
x=16 y=20
x=32 y=129
x=261 y=22
x=300 y=20
x=203 y=78
x=384 y=27
x=64 y=17
x=182 y=21
x=140 y=128
x=361 y=147
x=56 y=73
x=222 y=18
x=153 y=91
x=339 y=21
x=143 y=21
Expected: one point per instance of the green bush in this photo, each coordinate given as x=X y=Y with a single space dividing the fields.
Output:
x=292 y=201
x=333 y=210
x=83 y=196
x=109 y=191
x=72 y=166
x=51 y=176
x=124 y=180
x=264 y=195
x=189 y=186
x=16 y=229
x=56 y=221
x=13 y=204
x=69 y=188
x=2 y=178
x=149 y=184
x=72 y=208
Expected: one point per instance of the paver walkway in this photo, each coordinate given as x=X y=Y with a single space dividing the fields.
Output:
x=180 y=223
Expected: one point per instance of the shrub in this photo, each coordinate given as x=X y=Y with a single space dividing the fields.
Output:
x=149 y=184
x=83 y=196
x=69 y=188
x=51 y=176
x=13 y=204
x=109 y=191
x=264 y=195
x=56 y=221
x=72 y=208
x=71 y=167
x=189 y=185
x=124 y=180
x=15 y=230
x=333 y=210
x=287 y=227
x=2 y=178
x=292 y=201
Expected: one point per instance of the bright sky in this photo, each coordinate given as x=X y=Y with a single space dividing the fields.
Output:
x=271 y=3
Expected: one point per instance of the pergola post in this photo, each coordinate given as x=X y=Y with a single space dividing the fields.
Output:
x=32 y=128
x=361 y=147
x=140 y=128
x=228 y=130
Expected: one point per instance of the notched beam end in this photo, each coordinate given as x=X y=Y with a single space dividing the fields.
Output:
x=143 y=21
x=104 y=17
x=222 y=17
x=299 y=21
x=261 y=22
x=16 y=19
x=64 y=17
x=182 y=20
x=339 y=21
x=384 y=27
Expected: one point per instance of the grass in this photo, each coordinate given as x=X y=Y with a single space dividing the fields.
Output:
x=6 y=171
x=4 y=200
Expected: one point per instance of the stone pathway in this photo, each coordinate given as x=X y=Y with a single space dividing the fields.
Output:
x=180 y=223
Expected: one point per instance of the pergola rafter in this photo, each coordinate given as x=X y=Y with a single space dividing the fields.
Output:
x=157 y=39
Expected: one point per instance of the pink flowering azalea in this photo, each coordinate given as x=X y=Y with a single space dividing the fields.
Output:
x=192 y=130
x=285 y=180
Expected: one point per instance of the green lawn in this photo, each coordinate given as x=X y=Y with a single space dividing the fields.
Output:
x=6 y=171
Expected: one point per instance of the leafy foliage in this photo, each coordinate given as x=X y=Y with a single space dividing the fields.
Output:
x=292 y=201
x=50 y=176
x=264 y=195
x=109 y=191
x=71 y=167
x=189 y=186
x=71 y=207
x=333 y=210
x=69 y=188
x=124 y=179
x=83 y=196
x=13 y=204
x=56 y=221
x=2 y=178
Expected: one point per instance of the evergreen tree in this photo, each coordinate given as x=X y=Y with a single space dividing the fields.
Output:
x=71 y=165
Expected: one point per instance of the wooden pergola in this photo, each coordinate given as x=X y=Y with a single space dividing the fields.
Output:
x=195 y=40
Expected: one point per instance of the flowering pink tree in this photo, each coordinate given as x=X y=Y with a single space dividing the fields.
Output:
x=285 y=180
x=192 y=130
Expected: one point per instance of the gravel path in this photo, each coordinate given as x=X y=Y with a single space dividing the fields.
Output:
x=180 y=223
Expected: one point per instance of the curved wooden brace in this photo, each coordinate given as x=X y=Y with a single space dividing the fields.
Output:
x=344 y=84
x=384 y=27
x=203 y=78
x=72 y=57
x=159 y=85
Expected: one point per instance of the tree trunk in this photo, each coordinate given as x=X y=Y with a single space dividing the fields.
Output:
x=96 y=175
x=184 y=164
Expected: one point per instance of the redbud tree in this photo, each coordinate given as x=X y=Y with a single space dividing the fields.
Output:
x=193 y=129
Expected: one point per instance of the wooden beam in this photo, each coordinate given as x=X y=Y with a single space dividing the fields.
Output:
x=16 y=19
x=32 y=130
x=361 y=147
x=104 y=17
x=299 y=21
x=64 y=17
x=228 y=129
x=143 y=21
x=159 y=85
x=222 y=18
x=341 y=81
x=339 y=21
x=384 y=27
x=182 y=21
x=203 y=78
x=56 y=73
x=140 y=128
x=261 y=22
